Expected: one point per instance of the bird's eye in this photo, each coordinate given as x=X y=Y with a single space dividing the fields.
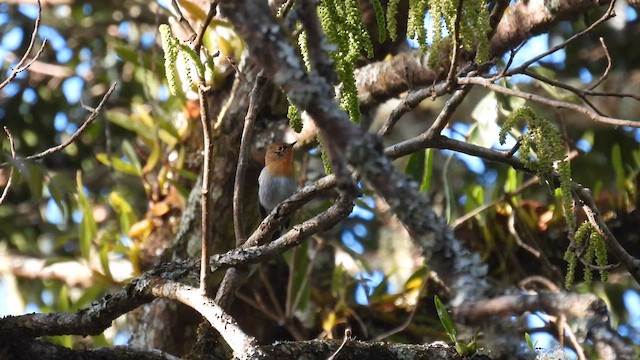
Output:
x=280 y=148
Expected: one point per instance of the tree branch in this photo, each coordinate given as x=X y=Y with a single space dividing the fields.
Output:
x=270 y=48
x=243 y=345
x=74 y=136
x=23 y=65
x=12 y=148
x=593 y=115
x=382 y=80
x=206 y=217
x=255 y=99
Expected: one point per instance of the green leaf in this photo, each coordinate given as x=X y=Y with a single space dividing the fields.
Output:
x=34 y=177
x=512 y=182
x=428 y=170
x=618 y=167
x=119 y=164
x=123 y=209
x=445 y=319
x=104 y=257
x=299 y=263
x=527 y=339
x=415 y=166
x=62 y=340
x=88 y=227
x=154 y=156
x=448 y=192
x=416 y=279
x=131 y=123
x=59 y=186
x=130 y=153
x=63 y=299
x=339 y=281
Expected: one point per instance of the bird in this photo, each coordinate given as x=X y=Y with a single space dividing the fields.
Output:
x=277 y=179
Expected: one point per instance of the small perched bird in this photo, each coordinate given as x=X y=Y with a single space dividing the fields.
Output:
x=277 y=180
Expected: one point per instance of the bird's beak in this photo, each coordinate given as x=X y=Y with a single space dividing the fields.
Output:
x=293 y=143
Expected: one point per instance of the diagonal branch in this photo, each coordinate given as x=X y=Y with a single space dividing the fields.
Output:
x=23 y=65
x=12 y=146
x=255 y=99
x=213 y=4
x=592 y=114
x=74 y=136
x=382 y=80
x=243 y=345
x=270 y=48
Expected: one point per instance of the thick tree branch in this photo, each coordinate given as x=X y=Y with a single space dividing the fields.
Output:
x=153 y=283
x=587 y=309
x=380 y=81
x=271 y=49
x=243 y=345
x=40 y=349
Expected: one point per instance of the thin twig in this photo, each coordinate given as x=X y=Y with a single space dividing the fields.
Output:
x=597 y=267
x=595 y=218
x=413 y=99
x=512 y=56
x=72 y=138
x=564 y=327
x=259 y=306
x=347 y=337
x=303 y=283
x=271 y=293
x=409 y=103
x=527 y=184
x=511 y=225
x=526 y=282
x=607 y=70
x=206 y=185
x=579 y=93
x=607 y=15
x=447 y=111
x=515 y=147
x=456 y=48
x=21 y=66
x=5 y=191
x=183 y=21
x=234 y=278
x=255 y=99
x=593 y=115
x=409 y=319
x=213 y=5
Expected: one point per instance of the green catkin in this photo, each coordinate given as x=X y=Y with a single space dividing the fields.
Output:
x=170 y=46
x=542 y=150
x=379 y=11
x=324 y=156
x=392 y=22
